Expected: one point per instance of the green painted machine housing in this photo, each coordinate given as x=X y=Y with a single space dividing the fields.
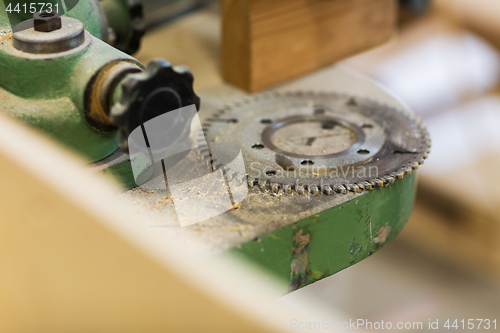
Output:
x=49 y=94
x=48 y=91
x=327 y=243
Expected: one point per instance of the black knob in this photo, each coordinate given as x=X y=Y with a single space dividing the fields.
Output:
x=158 y=90
x=126 y=22
x=137 y=28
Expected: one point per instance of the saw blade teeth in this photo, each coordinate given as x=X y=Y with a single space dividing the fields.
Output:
x=353 y=188
x=314 y=190
x=316 y=99
x=407 y=170
x=276 y=188
x=398 y=175
x=341 y=189
x=367 y=186
x=251 y=182
x=388 y=179
x=263 y=184
x=301 y=190
x=327 y=190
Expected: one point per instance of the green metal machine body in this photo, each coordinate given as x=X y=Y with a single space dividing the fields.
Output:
x=52 y=91
x=90 y=95
x=330 y=241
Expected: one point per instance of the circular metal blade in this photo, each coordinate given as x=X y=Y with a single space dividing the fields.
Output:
x=321 y=142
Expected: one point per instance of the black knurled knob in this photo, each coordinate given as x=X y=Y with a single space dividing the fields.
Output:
x=131 y=43
x=158 y=90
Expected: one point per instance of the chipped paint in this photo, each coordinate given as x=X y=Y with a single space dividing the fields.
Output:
x=300 y=258
x=354 y=249
x=383 y=235
x=324 y=244
x=298 y=272
x=301 y=240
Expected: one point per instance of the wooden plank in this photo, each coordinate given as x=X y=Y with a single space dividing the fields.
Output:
x=265 y=43
x=71 y=260
x=480 y=16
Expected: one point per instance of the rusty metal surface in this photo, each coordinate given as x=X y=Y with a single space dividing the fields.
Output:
x=320 y=143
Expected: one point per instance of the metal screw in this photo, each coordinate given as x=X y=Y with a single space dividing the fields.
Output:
x=47 y=22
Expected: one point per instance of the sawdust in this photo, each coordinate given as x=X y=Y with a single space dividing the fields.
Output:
x=236 y=207
x=138 y=191
x=5 y=34
x=165 y=200
x=240 y=227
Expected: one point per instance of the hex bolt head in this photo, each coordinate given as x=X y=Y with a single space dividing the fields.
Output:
x=47 y=22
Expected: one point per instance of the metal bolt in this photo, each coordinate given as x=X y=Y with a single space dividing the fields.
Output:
x=47 y=22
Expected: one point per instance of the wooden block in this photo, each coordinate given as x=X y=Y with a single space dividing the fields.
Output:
x=71 y=259
x=480 y=16
x=265 y=42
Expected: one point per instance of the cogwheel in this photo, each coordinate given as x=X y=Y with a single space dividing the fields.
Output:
x=320 y=143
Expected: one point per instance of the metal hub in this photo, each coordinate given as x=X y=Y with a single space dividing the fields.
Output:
x=310 y=136
x=27 y=39
x=322 y=140
x=321 y=143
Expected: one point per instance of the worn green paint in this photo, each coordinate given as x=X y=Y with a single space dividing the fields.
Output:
x=48 y=92
x=339 y=237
